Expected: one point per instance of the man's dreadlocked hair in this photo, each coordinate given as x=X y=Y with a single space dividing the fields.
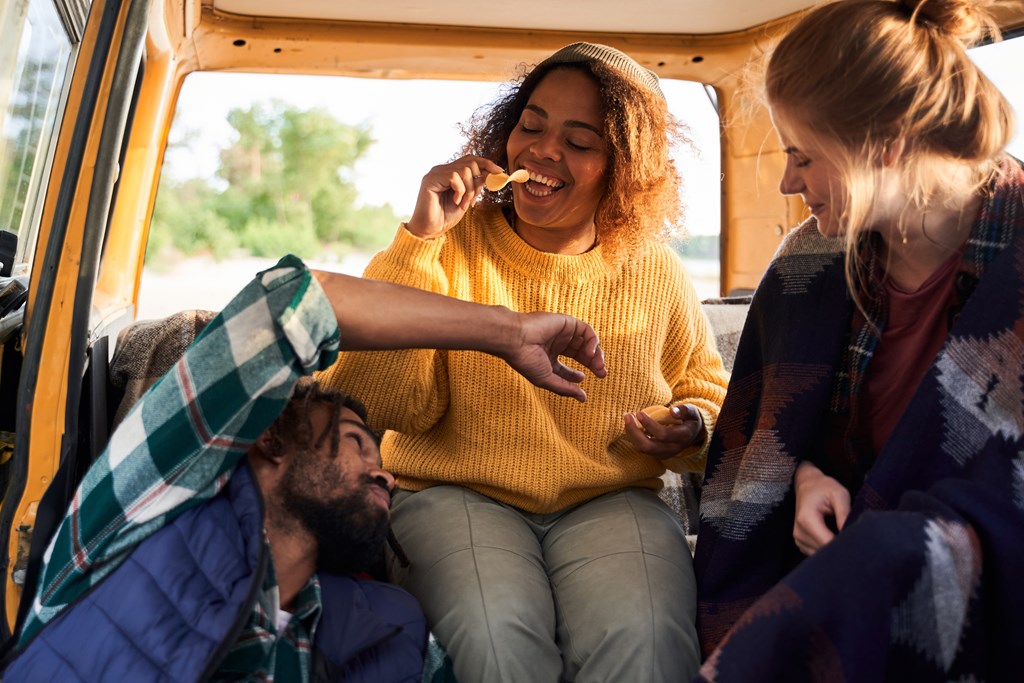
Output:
x=294 y=426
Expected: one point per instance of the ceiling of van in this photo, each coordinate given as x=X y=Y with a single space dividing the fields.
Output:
x=612 y=16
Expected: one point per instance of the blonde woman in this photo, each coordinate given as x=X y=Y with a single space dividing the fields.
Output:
x=863 y=512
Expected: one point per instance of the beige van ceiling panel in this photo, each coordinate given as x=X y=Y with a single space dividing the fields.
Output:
x=614 y=16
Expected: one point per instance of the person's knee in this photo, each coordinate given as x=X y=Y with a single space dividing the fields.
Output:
x=499 y=626
x=651 y=643
x=628 y=606
x=501 y=637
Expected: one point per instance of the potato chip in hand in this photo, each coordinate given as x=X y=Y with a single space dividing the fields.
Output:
x=496 y=181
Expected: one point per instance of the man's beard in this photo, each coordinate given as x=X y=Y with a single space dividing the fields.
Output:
x=350 y=529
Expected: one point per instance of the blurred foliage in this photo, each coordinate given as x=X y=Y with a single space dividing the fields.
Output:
x=698 y=247
x=285 y=189
x=21 y=136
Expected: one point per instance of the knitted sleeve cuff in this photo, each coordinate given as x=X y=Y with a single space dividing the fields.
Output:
x=406 y=242
x=410 y=260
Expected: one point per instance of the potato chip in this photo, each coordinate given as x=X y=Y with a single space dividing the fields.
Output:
x=660 y=414
x=496 y=181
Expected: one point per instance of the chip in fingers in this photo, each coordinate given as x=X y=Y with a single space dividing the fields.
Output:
x=660 y=414
x=496 y=181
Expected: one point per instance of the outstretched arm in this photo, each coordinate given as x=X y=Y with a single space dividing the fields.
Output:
x=180 y=443
x=375 y=315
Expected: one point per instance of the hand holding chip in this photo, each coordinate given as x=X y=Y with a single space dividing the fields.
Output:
x=663 y=432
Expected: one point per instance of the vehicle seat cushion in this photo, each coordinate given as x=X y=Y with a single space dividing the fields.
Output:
x=147 y=349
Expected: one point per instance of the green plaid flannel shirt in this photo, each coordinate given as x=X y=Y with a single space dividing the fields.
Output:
x=180 y=444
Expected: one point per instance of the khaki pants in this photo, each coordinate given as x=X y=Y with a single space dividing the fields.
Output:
x=603 y=591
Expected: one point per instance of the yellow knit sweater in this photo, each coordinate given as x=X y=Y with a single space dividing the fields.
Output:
x=466 y=418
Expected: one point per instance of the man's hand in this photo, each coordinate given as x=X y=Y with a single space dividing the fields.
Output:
x=378 y=315
x=665 y=437
x=818 y=497
x=543 y=338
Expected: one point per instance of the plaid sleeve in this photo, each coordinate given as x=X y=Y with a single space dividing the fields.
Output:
x=180 y=443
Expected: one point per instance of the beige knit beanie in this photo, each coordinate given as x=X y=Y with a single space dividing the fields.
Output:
x=581 y=53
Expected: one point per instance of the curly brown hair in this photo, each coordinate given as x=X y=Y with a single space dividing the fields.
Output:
x=641 y=199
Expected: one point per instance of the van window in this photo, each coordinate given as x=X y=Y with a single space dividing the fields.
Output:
x=696 y=105
x=406 y=140
x=35 y=51
x=1001 y=63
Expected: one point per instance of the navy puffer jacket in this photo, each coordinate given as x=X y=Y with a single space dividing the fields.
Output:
x=171 y=611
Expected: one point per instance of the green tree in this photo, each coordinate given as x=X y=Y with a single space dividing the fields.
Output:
x=27 y=122
x=698 y=247
x=185 y=220
x=287 y=189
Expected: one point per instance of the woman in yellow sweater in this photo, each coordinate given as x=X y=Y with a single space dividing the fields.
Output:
x=538 y=546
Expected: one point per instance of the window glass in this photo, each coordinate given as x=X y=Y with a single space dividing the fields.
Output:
x=33 y=64
x=1001 y=63
x=223 y=167
x=701 y=167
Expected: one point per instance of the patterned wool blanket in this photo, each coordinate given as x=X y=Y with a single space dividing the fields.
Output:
x=926 y=580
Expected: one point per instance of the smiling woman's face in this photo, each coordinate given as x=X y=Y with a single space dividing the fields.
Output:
x=559 y=140
x=811 y=175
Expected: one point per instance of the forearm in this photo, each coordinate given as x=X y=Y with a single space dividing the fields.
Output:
x=375 y=315
x=699 y=379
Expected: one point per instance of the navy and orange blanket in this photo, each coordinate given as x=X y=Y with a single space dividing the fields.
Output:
x=926 y=580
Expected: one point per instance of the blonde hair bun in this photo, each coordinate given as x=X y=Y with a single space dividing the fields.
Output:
x=971 y=21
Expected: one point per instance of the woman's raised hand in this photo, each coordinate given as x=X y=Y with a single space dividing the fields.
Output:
x=445 y=194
